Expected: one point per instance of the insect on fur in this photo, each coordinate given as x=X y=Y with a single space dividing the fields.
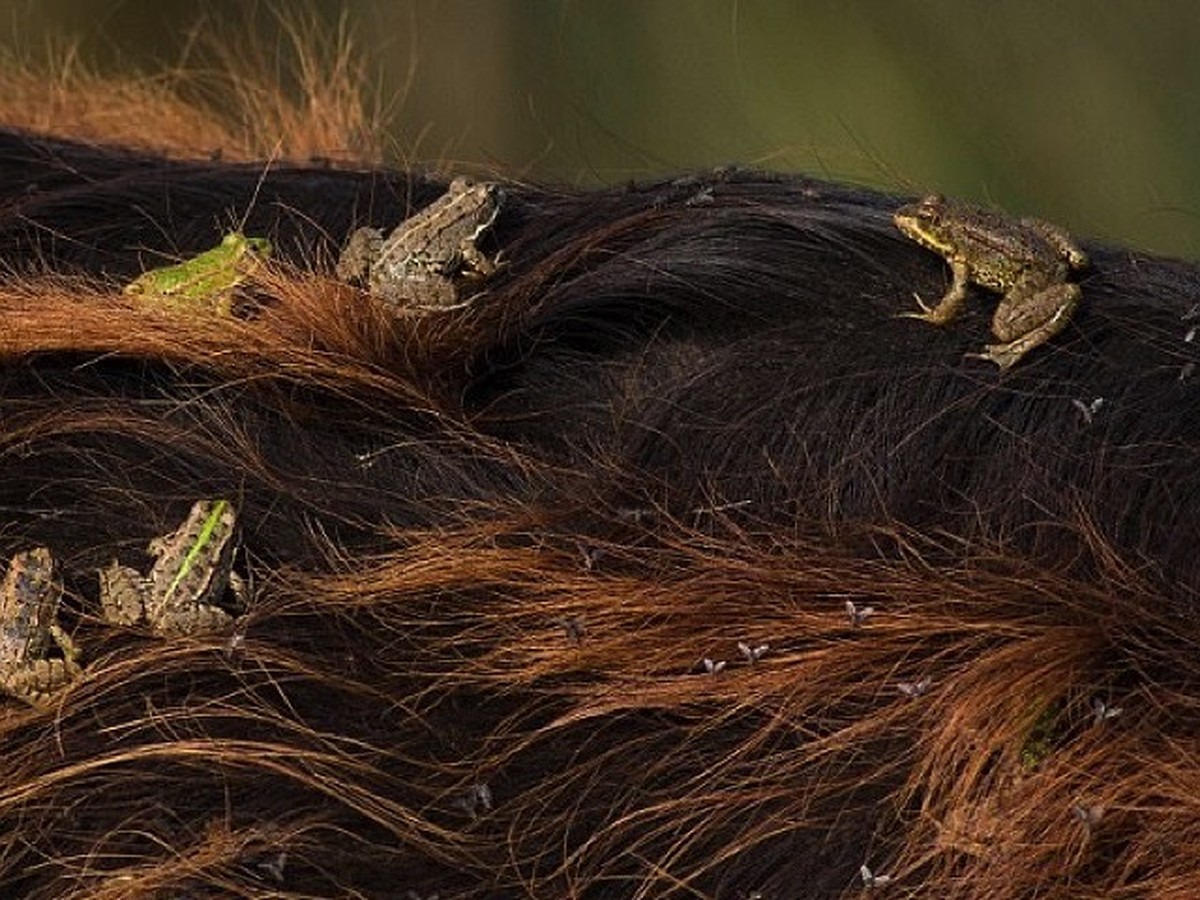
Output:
x=858 y=615
x=870 y=879
x=752 y=654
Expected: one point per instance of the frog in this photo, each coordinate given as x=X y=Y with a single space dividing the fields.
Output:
x=30 y=632
x=207 y=279
x=1044 y=733
x=1027 y=260
x=192 y=572
x=425 y=262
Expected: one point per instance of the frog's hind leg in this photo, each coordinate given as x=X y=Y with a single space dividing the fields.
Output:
x=951 y=303
x=475 y=264
x=39 y=682
x=202 y=618
x=121 y=595
x=1060 y=240
x=1062 y=299
x=362 y=249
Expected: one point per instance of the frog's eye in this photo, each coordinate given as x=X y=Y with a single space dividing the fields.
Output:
x=931 y=207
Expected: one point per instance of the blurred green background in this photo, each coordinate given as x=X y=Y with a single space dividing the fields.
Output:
x=1082 y=112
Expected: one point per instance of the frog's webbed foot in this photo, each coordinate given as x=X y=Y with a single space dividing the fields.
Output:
x=945 y=310
x=949 y=306
x=1001 y=354
x=1008 y=355
x=926 y=313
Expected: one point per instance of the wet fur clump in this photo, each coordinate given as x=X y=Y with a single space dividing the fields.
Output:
x=675 y=565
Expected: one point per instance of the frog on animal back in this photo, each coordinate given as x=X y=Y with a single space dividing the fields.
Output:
x=1027 y=260
x=207 y=280
x=29 y=630
x=192 y=572
x=425 y=262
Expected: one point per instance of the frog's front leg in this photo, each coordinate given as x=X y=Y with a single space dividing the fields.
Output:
x=70 y=650
x=1025 y=321
x=476 y=265
x=241 y=591
x=952 y=301
x=122 y=595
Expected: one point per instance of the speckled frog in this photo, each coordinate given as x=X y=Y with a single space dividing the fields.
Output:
x=425 y=262
x=1028 y=261
x=192 y=572
x=30 y=633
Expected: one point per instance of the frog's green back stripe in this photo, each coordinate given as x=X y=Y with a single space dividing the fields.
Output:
x=202 y=539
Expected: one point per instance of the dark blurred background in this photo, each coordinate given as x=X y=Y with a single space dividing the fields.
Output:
x=1081 y=112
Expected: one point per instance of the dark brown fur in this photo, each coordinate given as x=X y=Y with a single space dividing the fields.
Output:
x=495 y=546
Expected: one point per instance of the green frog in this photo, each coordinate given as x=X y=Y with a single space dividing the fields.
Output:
x=207 y=278
x=192 y=572
x=29 y=630
x=423 y=264
x=1028 y=261
x=1046 y=733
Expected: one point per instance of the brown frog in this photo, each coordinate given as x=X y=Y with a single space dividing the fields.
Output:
x=1027 y=260
x=423 y=264
x=192 y=571
x=29 y=630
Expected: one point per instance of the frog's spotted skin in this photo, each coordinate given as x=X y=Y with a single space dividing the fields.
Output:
x=29 y=630
x=1028 y=260
x=193 y=570
x=422 y=264
x=206 y=280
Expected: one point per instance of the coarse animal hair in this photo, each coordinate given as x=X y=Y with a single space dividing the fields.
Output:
x=675 y=565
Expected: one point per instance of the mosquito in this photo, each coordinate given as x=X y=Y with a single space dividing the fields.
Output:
x=1088 y=410
x=915 y=688
x=752 y=654
x=1088 y=816
x=870 y=879
x=573 y=626
x=856 y=615
x=1102 y=712
x=477 y=796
